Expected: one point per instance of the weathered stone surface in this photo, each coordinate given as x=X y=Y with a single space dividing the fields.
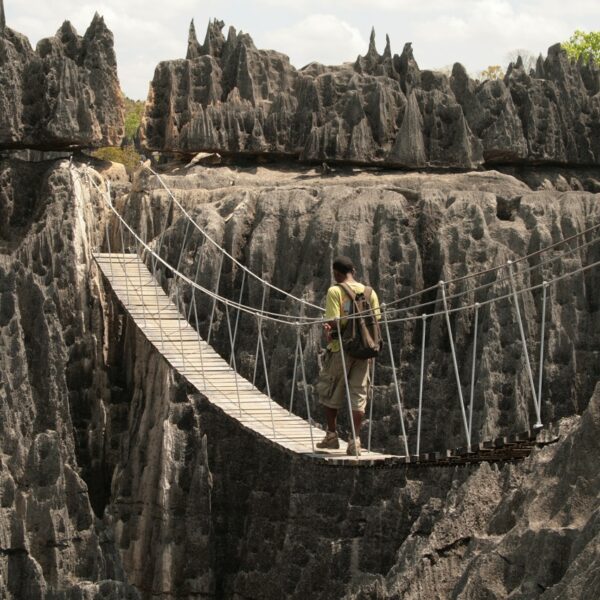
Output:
x=54 y=393
x=281 y=528
x=91 y=416
x=407 y=232
x=559 y=114
x=65 y=93
x=229 y=97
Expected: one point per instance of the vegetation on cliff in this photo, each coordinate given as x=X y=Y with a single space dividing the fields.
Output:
x=126 y=154
x=584 y=44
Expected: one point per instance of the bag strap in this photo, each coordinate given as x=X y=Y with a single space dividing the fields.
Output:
x=348 y=291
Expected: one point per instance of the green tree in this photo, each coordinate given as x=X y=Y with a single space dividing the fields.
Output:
x=134 y=110
x=126 y=154
x=586 y=44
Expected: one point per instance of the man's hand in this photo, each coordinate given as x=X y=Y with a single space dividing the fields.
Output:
x=327 y=328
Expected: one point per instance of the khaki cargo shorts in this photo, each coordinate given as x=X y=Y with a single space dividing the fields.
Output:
x=331 y=386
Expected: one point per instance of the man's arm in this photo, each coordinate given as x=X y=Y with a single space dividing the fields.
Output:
x=375 y=305
x=333 y=309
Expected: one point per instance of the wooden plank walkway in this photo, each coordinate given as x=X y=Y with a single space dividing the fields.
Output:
x=160 y=321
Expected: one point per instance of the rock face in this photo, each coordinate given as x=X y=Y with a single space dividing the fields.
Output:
x=267 y=525
x=407 y=232
x=64 y=94
x=53 y=392
x=116 y=481
x=229 y=97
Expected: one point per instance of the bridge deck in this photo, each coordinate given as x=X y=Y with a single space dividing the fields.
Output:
x=160 y=321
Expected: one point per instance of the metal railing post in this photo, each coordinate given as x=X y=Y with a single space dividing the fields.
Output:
x=262 y=310
x=199 y=342
x=294 y=377
x=455 y=363
x=371 y=402
x=212 y=312
x=396 y=386
x=346 y=383
x=266 y=370
x=194 y=294
x=539 y=394
x=474 y=360
x=235 y=374
x=524 y=341
x=304 y=386
x=420 y=413
x=180 y=321
x=237 y=316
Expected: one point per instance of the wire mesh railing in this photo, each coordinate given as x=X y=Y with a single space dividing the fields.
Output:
x=130 y=241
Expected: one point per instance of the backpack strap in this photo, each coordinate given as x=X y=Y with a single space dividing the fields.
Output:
x=348 y=291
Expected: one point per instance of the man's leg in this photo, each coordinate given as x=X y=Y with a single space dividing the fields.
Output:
x=331 y=417
x=357 y=417
x=358 y=380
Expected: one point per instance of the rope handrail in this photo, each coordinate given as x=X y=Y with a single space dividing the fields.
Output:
x=503 y=297
x=497 y=267
x=272 y=316
x=484 y=286
x=135 y=251
x=224 y=252
x=414 y=294
x=298 y=320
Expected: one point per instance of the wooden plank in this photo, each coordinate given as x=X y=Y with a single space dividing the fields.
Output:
x=161 y=322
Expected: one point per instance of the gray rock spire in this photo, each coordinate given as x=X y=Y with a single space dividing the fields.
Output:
x=2 y=17
x=194 y=50
x=372 y=47
x=409 y=147
x=387 y=53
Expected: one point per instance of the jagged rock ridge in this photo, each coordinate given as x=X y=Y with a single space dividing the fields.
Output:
x=230 y=97
x=64 y=93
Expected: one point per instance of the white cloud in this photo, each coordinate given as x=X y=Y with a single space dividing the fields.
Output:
x=475 y=32
x=323 y=38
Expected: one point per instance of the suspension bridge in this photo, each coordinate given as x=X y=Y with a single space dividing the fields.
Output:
x=132 y=267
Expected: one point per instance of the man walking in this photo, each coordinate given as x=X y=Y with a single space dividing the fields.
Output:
x=331 y=385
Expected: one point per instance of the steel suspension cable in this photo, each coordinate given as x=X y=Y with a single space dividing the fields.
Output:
x=495 y=268
x=286 y=319
x=223 y=251
x=271 y=316
x=506 y=278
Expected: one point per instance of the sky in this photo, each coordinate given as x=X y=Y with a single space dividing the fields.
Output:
x=477 y=33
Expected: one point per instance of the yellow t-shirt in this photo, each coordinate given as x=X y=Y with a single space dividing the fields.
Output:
x=337 y=304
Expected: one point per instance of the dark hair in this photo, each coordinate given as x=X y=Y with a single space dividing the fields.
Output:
x=343 y=264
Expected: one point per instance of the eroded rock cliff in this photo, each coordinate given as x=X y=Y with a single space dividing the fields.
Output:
x=407 y=232
x=267 y=525
x=113 y=471
x=54 y=394
x=63 y=94
x=228 y=96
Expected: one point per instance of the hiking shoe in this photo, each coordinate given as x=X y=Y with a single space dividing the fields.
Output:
x=330 y=441
x=352 y=449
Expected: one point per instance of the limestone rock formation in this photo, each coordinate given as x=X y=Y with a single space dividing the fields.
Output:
x=407 y=232
x=268 y=525
x=53 y=385
x=64 y=94
x=115 y=481
x=229 y=97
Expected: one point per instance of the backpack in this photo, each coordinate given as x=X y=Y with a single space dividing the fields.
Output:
x=361 y=337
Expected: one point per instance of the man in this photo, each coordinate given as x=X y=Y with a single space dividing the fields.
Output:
x=331 y=386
